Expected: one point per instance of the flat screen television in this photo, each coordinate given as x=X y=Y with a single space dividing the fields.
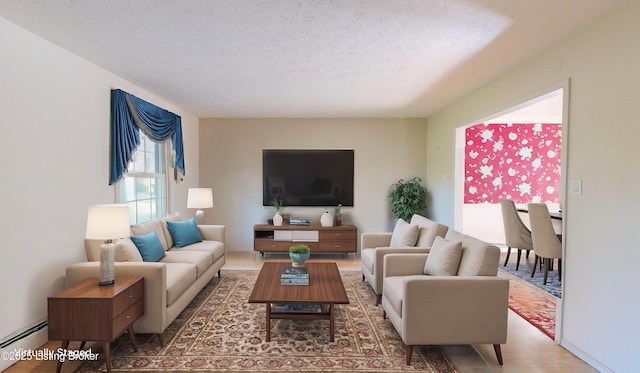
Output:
x=307 y=177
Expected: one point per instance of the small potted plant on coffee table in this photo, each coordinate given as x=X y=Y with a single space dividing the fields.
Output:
x=299 y=255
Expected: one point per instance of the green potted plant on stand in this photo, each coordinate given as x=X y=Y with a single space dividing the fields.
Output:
x=408 y=198
x=299 y=255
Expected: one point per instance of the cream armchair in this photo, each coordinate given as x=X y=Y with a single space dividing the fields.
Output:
x=414 y=237
x=460 y=301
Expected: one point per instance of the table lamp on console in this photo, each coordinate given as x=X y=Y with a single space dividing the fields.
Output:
x=200 y=198
x=107 y=222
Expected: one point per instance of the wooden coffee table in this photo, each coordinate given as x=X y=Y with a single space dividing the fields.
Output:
x=325 y=288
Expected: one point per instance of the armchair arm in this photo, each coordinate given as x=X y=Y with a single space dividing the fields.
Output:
x=381 y=252
x=212 y=232
x=455 y=310
x=370 y=240
x=155 y=288
x=404 y=264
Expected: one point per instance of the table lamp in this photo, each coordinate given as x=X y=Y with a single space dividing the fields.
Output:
x=107 y=222
x=200 y=198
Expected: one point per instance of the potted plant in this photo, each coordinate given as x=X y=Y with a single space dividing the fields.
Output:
x=299 y=254
x=408 y=198
x=338 y=216
x=277 y=218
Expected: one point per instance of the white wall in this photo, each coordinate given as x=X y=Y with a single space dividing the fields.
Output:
x=599 y=321
x=54 y=155
x=231 y=163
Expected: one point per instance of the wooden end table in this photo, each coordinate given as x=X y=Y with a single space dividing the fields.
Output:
x=89 y=312
x=325 y=288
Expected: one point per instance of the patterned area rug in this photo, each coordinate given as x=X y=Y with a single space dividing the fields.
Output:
x=221 y=332
x=553 y=286
x=531 y=303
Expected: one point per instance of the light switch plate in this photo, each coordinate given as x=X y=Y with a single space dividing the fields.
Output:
x=576 y=186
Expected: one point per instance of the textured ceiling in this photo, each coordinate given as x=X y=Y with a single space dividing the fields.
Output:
x=305 y=58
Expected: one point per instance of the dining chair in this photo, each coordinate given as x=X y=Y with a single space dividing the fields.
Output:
x=516 y=234
x=546 y=244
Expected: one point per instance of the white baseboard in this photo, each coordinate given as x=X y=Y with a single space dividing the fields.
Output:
x=32 y=342
x=585 y=357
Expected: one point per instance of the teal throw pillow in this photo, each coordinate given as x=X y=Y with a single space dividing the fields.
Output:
x=149 y=246
x=184 y=232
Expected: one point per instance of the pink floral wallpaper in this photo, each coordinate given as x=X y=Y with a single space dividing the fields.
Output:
x=515 y=161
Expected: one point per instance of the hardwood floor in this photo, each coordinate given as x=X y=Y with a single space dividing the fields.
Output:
x=527 y=348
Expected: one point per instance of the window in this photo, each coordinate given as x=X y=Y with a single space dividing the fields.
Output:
x=144 y=185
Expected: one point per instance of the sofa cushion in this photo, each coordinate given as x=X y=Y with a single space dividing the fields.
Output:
x=444 y=258
x=184 y=232
x=367 y=258
x=428 y=230
x=145 y=228
x=202 y=260
x=215 y=248
x=179 y=277
x=149 y=246
x=404 y=234
x=167 y=235
x=126 y=251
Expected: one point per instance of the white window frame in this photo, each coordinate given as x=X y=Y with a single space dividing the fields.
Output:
x=142 y=205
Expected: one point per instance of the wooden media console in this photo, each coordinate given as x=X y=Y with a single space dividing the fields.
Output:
x=270 y=238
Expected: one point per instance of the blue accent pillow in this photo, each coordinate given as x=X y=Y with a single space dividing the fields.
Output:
x=149 y=246
x=184 y=232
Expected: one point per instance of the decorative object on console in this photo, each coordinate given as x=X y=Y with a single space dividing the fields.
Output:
x=200 y=198
x=338 y=216
x=408 y=198
x=326 y=220
x=286 y=219
x=299 y=222
x=107 y=222
x=277 y=218
x=299 y=255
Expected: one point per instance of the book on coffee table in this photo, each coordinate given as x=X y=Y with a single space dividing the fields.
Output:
x=299 y=308
x=294 y=272
x=294 y=276
x=294 y=281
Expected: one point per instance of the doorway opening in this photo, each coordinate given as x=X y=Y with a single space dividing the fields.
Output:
x=517 y=153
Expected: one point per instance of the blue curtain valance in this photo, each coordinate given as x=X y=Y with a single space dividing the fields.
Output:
x=129 y=115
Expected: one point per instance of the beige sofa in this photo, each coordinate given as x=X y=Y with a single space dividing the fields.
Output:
x=374 y=246
x=172 y=282
x=460 y=300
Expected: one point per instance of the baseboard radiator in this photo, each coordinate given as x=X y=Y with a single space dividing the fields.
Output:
x=24 y=333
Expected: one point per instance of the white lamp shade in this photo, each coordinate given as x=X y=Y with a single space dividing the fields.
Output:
x=108 y=222
x=200 y=198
